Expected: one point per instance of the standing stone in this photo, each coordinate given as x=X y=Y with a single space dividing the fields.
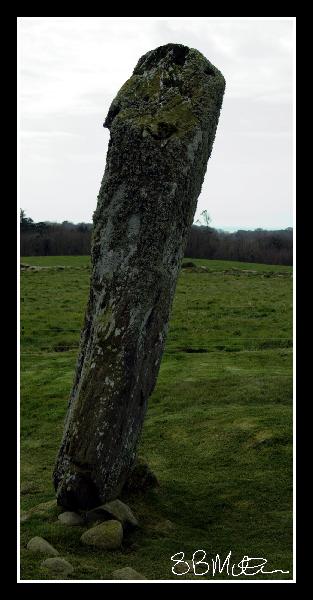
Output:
x=162 y=126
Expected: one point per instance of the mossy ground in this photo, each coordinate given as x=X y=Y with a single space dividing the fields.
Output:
x=218 y=432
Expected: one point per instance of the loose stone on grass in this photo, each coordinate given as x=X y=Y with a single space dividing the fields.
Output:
x=116 y=509
x=107 y=535
x=38 y=544
x=58 y=566
x=70 y=518
x=127 y=573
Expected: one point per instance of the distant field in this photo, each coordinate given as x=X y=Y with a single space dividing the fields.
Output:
x=220 y=265
x=52 y=261
x=218 y=431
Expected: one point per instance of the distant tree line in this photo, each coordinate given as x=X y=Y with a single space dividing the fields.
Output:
x=259 y=245
x=53 y=239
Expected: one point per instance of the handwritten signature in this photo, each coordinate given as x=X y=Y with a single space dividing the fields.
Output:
x=249 y=566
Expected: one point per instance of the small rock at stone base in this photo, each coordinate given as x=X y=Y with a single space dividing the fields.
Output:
x=38 y=544
x=58 y=566
x=127 y=573
x=107 y=535
x=117 y=509
x=70 y=518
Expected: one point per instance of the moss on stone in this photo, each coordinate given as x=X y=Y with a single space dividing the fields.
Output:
x=143 y=88
x=107 y=535
x=173 y=120
x=165 y=93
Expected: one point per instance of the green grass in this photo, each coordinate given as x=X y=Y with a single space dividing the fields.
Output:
x=52 y=261
x=218 y=432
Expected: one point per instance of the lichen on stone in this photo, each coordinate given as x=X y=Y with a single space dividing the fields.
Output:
x=163 y=97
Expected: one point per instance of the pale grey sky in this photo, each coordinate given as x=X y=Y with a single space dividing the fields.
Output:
x=71 y=69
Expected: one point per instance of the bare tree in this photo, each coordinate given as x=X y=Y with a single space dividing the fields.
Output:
x=205 y=219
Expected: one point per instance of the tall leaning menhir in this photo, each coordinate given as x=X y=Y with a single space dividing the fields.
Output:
x=162 y=127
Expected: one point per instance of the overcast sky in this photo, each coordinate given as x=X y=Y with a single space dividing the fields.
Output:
x=70 y=71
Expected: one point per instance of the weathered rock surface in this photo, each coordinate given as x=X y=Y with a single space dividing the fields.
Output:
x=39 y=544
x=127 y=573
x=107 y=535
x=71 y=518
x=117 y=510
x=162 y=127
x=58 y=566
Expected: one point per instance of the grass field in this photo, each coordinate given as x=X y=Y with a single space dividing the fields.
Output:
x=218 y=432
